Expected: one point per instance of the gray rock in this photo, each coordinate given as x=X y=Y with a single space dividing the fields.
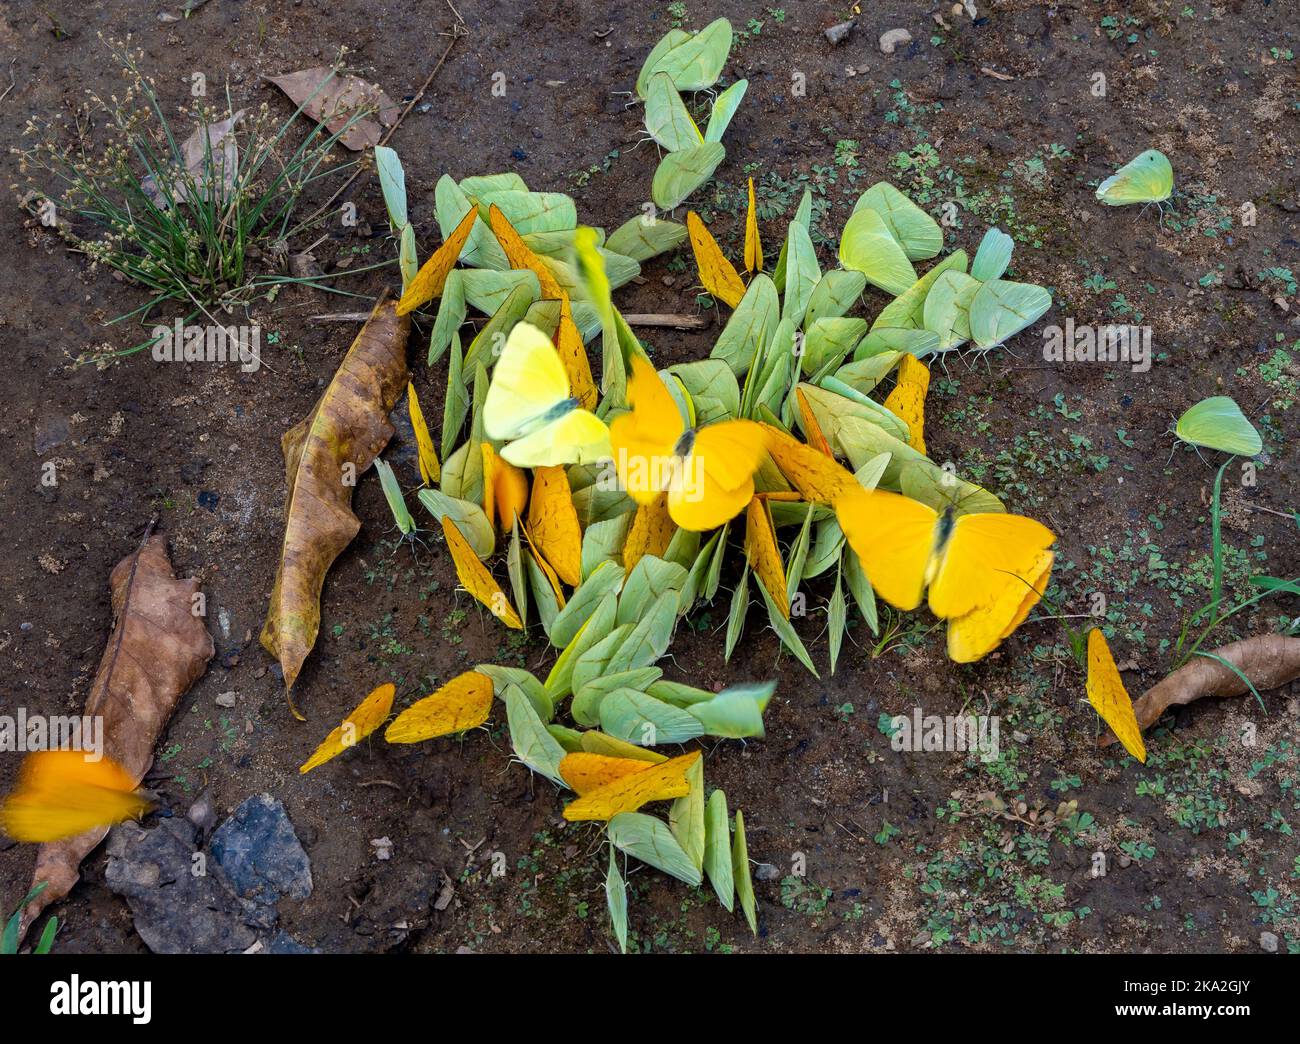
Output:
x=175 y=908
x=260 y=854
x=767 y=872
x=837 y=34
x=1268 y=942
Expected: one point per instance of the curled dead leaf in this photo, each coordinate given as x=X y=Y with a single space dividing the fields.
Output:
x=1268 y=660
x=324 y=454
x=158 y=649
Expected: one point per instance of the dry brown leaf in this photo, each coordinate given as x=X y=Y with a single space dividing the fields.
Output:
x=1268 y=660
x=332 y=100
x=158 y=649
x=324 y=454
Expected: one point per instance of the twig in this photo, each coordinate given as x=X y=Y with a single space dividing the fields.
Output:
x=458 y=30
x=678 y=321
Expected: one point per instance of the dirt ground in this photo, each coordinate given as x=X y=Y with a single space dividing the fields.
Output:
x=998 y=115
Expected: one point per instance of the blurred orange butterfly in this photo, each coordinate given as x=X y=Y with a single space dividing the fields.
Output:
x=61 y=794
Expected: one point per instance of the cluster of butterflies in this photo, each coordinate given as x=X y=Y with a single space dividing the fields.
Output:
x=689 y=450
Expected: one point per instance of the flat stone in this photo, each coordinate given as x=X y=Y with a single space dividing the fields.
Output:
x=260 y=854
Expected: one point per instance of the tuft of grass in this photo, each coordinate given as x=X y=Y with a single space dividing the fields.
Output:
x=206 y=228
x=9 y=938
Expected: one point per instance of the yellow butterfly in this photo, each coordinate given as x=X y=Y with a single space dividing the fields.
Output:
x=529 y=406
x=984 y=570
x=1109 y=698
x=708 y=473
x=61 y=794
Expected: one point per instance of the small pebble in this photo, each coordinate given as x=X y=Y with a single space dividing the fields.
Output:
x=1268 y=942
x=837 y=34
x=890 y=40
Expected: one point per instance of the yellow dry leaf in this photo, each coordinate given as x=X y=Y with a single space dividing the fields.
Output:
x=1109 y=698
x=432 y=276
x=573 y=353
x=811 y=426
x=553 y=525
x=657 y=783
x=520 y=256
x=907 y=400
x=763 y=554
x=753 y=245
x=368 y=716
x=586 y=772
x=476 y=579
x=505 y=490
x=718 y=275
x=430 y=469
x=818 y=478
x=651 y=532
x=62 y=794
x=462 y=704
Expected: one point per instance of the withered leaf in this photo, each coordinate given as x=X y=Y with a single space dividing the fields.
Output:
x=323 y=455
x=333 y=98
x=158 y=649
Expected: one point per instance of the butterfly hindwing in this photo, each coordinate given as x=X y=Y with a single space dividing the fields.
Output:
x=528 y=381
x=982 y=554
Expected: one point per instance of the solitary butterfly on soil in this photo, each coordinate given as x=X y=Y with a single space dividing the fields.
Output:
x=1147 y=179
x=984 y=571
x=61 y=794
x=396 y=502
x=1217 y=423
x=708 y=473
x=1109 y=698
x=530 y=406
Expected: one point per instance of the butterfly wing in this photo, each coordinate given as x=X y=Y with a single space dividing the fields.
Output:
x=893 y=537
x=716 y=480
x=982 y=553
x=1109 y=698
x=979 y=632
x=528 y=381
x=61 y=794
x=1217 y=423
x=577 y=437
x=642 y=440
x=1147 y=179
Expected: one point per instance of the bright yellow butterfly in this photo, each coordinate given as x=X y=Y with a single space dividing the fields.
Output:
x=708 y=473
x=907 y=400
x=61 y=794
x=1109 y=698
x=984 y=571
x=529 y=406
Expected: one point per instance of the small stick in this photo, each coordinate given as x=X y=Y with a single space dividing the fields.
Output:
x=457 y=31
x=677 y=321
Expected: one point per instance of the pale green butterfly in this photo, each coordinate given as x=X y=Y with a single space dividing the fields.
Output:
x=1217 y=423
x=681 y=173
x=916 y=231
x=666 y=116
x=396 y=502
x=1147 y=179
x=693 y=62
x=723 y=109
x=868 y=246
x=1001 y=308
